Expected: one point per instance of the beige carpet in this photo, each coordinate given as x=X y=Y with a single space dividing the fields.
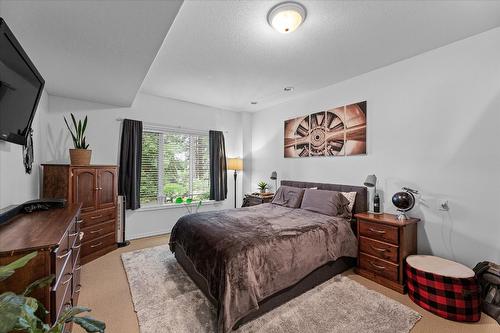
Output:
x=166 y=300
x=106 y=290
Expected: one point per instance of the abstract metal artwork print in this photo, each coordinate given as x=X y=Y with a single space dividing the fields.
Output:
x=336 y=132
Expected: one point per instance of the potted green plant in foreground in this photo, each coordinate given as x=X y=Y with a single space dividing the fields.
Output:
x=263 y=187
x=80 y=155
x=23 y=313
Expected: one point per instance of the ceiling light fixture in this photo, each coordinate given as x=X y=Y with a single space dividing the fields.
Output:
x=286 y=17
x=288 y=89
x=253 y=103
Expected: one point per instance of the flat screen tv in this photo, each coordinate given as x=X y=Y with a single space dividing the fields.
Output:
x=21 y=86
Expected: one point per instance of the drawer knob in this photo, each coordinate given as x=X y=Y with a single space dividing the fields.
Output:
x=379 y=249
x=377 y=231
x=376 y=266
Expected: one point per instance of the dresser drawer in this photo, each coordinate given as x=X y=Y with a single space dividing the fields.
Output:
x=378 y=266
x=61 y=288
x=98 y=216
x=98 y=244
x=99 y=230
x=379 y=231
x=378 y=249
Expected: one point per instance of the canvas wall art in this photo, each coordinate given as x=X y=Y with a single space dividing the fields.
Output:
x=336 y=132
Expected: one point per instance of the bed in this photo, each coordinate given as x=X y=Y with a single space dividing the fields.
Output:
x=247 y=261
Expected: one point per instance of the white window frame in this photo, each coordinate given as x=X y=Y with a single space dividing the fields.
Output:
x=160 y=129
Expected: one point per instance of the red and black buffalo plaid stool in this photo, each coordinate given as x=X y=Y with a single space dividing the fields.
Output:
x=443 y=287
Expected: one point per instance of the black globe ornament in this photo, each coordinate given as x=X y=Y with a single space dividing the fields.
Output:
x=404 y=201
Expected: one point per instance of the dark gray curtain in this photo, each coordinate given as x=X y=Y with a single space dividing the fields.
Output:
x=129 y=177
x=218 y=168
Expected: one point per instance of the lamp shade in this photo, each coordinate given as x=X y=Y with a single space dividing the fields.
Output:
x=235 y=164
x=371 y=181
x=274 y=175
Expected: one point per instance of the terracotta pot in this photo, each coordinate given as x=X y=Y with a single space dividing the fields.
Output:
x=80 y=156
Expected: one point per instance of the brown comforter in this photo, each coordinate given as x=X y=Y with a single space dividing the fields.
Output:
x=250 y=253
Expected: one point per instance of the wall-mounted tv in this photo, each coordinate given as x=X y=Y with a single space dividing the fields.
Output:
x=21 y=86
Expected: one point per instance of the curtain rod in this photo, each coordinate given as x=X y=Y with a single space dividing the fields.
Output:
x=167 y=126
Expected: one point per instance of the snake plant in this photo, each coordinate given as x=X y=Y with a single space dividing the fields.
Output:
x=78 y=133
x=23 y=313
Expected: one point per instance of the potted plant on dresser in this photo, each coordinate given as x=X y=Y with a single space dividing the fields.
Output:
x=80 y=155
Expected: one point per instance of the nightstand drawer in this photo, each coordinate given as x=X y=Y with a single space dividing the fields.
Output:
x=378 y=249
x=379 y=231
x=378 y=266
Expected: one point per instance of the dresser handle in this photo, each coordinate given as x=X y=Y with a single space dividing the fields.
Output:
x=79 y=221
x=77 y=246
x=78 y=290
x=379 y=249
x=68 y=252
x=376 y=266
x=96 y=231
x=96 y=245
x=67 y=281
x=377 y=231
x=78 y=268
x=95 y=217
x=73 y=234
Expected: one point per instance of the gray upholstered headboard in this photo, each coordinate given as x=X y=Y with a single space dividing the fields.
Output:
x=361 y=203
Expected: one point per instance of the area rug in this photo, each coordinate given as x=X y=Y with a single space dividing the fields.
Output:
x=166 y=300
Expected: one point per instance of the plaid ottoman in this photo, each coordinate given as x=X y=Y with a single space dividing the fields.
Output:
x=443 y=287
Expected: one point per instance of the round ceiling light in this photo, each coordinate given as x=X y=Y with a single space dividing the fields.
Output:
x=286 y=17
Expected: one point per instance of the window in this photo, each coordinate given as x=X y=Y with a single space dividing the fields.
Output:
x=174 y=164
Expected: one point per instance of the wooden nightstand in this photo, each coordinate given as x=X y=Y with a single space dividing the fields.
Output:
x=383 y=245
x=256 y=199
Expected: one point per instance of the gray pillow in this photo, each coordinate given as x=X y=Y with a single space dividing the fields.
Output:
x=288 y=196
x=330 y=203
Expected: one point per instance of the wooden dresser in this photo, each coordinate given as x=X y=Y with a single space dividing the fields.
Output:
x=56 y=235
x=96 y=188
x=383 y=245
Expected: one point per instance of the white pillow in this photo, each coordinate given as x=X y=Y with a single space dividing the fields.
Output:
x=351 y=197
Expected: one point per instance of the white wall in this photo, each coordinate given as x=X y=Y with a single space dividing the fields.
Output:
x=433 y=125
x=103 y=135
x=15 y=185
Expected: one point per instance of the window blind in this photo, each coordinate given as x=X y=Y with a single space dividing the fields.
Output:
x=174 y=164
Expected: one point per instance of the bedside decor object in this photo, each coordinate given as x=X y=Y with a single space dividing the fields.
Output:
x=384 y=242
x=404 y=201
x=371 y=181
x=235 y=164
x=274 y=176
x=444 y=287
x=488 y=275
x=262 y=186
x=339 y=131
x=80 y=155
x=254 y=199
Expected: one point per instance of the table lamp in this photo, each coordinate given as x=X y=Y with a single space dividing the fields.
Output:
x=235 y=164
x=371 y=181
x=274 y=176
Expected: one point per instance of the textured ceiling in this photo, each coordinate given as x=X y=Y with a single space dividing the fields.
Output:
x=93 y=50
x=224 y=54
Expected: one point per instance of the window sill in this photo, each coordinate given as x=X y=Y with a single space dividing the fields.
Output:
x=177 y=206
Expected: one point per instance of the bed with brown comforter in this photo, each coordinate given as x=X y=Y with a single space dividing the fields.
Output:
x=248 y=254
